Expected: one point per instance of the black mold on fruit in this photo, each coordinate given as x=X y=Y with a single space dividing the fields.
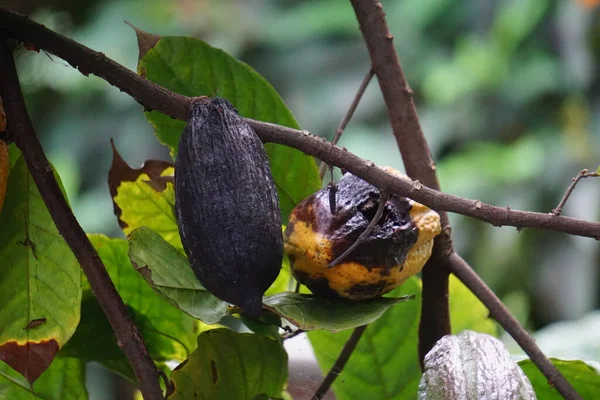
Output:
x=227 y=206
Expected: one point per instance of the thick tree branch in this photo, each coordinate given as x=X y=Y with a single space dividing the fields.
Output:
x=499 y=311
x=152 y=96
x=398 y=96
x=23 y=134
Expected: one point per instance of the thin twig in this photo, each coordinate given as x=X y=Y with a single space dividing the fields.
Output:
x=340 y=130
x=383 y=198
x=418 y=163
x=23 y=134
x=339 y=364
x=582 y=174
x=175 y=105
x=501 y=314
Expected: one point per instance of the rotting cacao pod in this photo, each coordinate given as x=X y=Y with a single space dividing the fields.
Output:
x=395 y=250
x=227 y=206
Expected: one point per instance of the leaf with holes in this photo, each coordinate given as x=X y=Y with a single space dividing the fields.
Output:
x=389 y=345
x=193 y=68
x=169 y=273
x=40 y=283
x=229 y=365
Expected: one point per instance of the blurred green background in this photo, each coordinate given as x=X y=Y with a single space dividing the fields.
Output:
x=507 y=92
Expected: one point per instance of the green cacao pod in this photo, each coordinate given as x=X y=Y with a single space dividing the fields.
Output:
x=227 y=206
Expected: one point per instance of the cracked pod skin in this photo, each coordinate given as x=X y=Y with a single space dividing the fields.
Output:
x=227 y=206
x=396 y=249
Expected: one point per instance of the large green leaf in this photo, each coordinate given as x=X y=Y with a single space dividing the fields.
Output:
x=40 y=279
x=309 y=312
x=584 y=378
x=193 y=68
x=168 y=272
x=63 y=380
x=389 y=345
x=168 y=333
x=231 y=366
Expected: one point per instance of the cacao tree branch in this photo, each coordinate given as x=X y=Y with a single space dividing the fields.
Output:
x=398 y=97
x=154 y=97
x=23 y=134
x=582 y=174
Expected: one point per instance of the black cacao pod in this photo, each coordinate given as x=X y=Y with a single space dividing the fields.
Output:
x=227 y=206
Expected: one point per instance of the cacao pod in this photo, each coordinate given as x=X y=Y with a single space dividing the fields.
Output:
x=227 y=206
x=472 y=365
x=395 y=250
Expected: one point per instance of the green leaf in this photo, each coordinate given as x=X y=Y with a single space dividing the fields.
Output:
x=40 y=283
x=169 y=273
x=64 y=380
x=309 y=312
x=231 y=366
x=389 y=345
x=169 y=333
x=193 y=68
x=142 y=204
x=584 y=378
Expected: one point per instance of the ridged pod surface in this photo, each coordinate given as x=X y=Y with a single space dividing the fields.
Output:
x=472 y=365
x=227 y=206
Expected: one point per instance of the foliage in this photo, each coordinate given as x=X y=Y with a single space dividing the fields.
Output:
x=48 y=302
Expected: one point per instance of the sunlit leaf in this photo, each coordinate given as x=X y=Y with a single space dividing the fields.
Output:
x=148 y=200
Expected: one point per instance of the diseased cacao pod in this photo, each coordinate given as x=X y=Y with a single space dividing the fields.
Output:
x=472 y=365
x=395 y=250
x=227 y=206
